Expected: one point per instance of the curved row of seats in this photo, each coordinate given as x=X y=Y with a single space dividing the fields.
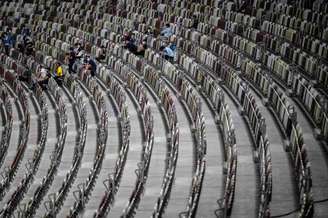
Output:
x=113 y=182
x=10 y=172
x=55 y=156
x=87 y=187
x=137 y=89
x=33 y=203
x=7 y=121
x=33 y=164
x=192 y=103
x=56 y=199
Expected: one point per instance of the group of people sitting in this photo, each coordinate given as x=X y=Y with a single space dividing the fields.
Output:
x=24 y=41
x=26 y=44
x=42 y=76
x=130 y=43
x=138 y=48
x=76 y=57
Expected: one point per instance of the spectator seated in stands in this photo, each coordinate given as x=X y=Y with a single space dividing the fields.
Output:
x=140 y=49
x=90 y=65
x=195 y=22
x=58 y=74
x=173 y=46
x=168 y=53
x=127 y=36
x=101 y=54
x=244 y=5
x=79 y=53
x=42 y=77
x=167 y=31
x=150 y=31
x=27 y=77
x=129 y=42
x=8 y=41
x=70 y=60
x=29 y=46
x=25 y=31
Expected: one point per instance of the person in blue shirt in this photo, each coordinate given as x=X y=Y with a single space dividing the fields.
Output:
x=8 y=41
x=167 y=52
x=173 y=46
x=167 y=31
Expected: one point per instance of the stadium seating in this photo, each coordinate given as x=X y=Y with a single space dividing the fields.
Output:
x=243 y=105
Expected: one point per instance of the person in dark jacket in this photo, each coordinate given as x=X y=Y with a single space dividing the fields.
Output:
x=29 y=46
x=70 y=59
x=91 y=65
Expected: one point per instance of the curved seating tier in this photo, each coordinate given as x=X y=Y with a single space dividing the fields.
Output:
x=113 y=181
x=10 y=171
x=56 y=199
x=85 y=189
x=7 y=121
x=33 y=203
x=33 y=164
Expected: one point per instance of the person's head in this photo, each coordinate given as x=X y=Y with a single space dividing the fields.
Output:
x=167 y=25
x=162 y=48
x=85 y=59
x=43 y=70
x=57 y=64
x=78 y=45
